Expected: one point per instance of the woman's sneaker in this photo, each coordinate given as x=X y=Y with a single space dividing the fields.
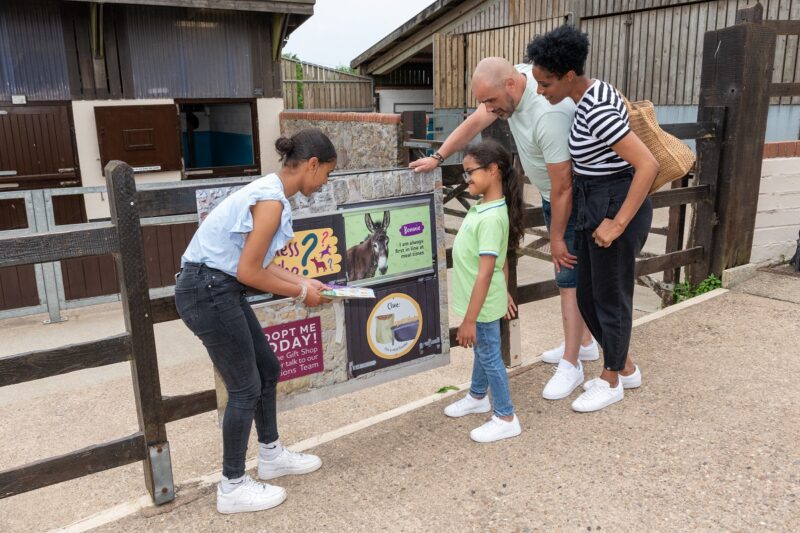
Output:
x=496 y=429
x=467 y=406
x=589 y=352
x=249 y=496
x=565 y=379
x=601 y=395
x=288 y=463
x=633 y=381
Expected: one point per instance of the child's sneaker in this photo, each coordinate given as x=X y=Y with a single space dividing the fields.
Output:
x=468 y=405
x=496 y=429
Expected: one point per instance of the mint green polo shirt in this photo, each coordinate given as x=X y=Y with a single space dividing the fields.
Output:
x=484 y=231
x=540 y=131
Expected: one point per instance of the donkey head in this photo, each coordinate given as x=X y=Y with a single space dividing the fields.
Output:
x=379 y=240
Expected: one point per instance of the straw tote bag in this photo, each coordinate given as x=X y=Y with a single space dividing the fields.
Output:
x=675 y=159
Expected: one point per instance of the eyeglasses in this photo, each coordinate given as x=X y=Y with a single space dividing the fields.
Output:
x=467 y=174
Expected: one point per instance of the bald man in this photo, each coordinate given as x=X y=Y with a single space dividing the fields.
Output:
x=541 y=133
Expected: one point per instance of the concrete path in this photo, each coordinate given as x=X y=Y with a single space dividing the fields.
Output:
x=709 y=442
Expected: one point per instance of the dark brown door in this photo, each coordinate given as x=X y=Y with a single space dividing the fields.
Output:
x=36 y=147
x=36 y=150
x=143 y=135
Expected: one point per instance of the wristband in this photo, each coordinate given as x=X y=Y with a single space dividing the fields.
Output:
x=303 y=293
x=439 y=157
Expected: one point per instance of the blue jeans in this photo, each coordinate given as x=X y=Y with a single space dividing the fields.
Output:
x=212 y=304
x=568 y=277
x=488 y=370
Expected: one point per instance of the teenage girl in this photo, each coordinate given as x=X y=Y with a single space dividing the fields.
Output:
x=492 y=227
x=234 y=248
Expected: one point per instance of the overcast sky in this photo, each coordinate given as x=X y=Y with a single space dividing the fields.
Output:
x=340 y=30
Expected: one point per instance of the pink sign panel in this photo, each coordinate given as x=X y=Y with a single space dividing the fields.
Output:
x=298 y=346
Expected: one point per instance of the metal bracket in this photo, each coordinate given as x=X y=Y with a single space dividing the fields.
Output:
x=161 y=470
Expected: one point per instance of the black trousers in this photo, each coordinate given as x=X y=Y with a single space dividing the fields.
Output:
x=606 y=275
x=214 y=307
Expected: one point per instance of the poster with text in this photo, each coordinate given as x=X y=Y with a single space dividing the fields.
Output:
x=316 y=251
x=389 y=241
x=400 y=324
x=298 y=346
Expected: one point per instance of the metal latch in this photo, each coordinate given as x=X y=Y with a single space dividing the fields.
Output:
x=66 y=170
x=8 y=172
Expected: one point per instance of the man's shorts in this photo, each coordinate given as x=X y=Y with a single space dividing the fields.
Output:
x=567 y=278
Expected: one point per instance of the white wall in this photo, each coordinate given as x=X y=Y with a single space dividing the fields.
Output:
x=422 y=98
x=778 y=217
x=89 y=153
x=269 y=129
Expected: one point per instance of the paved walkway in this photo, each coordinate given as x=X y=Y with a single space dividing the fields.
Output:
x=709 y=442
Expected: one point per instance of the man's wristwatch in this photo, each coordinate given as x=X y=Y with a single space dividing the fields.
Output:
x=439 y=157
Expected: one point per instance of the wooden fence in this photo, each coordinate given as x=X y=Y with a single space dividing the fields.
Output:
x=730 y=126
x=309 y=87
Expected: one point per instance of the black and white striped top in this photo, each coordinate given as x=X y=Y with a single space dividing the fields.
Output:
x=601 y=121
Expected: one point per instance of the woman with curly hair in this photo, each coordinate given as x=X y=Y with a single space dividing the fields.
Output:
x=613 y=171
x=491 y=228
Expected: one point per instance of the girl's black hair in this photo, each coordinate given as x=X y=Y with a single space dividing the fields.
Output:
x=487 y=152
x=561 y=50
x=304 y=145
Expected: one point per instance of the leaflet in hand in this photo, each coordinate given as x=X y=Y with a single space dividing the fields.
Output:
x=344 y=292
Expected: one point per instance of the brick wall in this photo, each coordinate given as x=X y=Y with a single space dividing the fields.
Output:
x=362 y=140
x=778 y=219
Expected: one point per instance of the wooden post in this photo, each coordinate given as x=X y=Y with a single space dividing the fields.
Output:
x=135 y=298
x=737 y=71
x=704 y=214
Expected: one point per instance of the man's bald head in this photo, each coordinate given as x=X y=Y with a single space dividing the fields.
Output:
x=493 y=71
x=498 y=86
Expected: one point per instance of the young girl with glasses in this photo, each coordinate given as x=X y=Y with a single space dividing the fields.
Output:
x=492 y=227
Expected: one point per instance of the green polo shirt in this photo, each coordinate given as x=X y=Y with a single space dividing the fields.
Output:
x=484 y=231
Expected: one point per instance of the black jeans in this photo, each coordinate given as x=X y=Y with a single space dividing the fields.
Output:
x=606 y=275
x=213 y=306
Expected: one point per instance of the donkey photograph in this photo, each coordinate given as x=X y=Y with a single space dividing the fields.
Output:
x=372 y=253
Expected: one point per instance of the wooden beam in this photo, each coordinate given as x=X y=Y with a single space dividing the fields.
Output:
x=300 y=7
x=784 y=89
x=163 y=309
x=680 y=196
x=45 y=363
x=72 y=465
x=176 y=200
x=783 y=27
x=691 y=130
x=48 y=247
x=179 y=407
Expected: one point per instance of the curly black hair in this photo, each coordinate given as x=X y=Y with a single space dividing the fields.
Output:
x=561 y=50
x=490 y=151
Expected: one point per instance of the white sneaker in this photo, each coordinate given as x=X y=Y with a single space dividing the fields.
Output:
x=589 y=352
x=249 y=496
x=633 y=381
x=288 y=463
x=565 y=379
x=496 y=429
x=599 y=396
x=468 y=405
